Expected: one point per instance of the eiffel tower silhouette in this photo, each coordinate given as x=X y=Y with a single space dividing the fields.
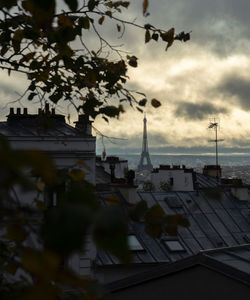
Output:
x=144 y=154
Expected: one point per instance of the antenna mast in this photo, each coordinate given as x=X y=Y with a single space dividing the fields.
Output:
x=215 y=125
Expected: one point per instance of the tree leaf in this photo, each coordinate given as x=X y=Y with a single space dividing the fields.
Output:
x=77 y=174
x=84 y=22
x=92 y=4
x=155 y=103
x=147 y=36
x=132 y=61
x=100 y=21
x=143 y=102
x=155 y=36
x=72 y=4
x=145 y=6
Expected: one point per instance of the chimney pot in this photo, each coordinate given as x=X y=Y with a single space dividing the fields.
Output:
x=18 y=111
x=11 y=111
x=25 y=111
x=47 y=107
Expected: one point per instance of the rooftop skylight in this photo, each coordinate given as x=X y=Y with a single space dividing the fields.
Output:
x=174 y=245
x=134 y=244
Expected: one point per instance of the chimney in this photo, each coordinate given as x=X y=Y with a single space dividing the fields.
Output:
x=47 y=108
x=212 y=170
x=240 y=192
x=25 y=111
x=18 y=111
x=11 y=111
x=84 y=124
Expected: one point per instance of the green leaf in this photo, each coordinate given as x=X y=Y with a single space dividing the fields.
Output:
x=72 y=4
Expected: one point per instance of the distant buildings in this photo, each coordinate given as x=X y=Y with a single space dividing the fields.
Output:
x=218 y=212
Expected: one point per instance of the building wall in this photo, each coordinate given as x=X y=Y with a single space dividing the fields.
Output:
x=197 y=283
x=181 y=181
x=121 y=168
x=65 y=152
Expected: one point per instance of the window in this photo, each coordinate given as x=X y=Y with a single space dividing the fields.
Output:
x=134 y=244
x=174 y=246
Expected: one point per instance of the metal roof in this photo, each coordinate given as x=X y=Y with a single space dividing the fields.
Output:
x=205 y=181
x=232 y=262
x=33 y=127
x=215 y=223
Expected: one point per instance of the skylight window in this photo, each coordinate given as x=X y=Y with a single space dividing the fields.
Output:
x=134 y=244
x=174 y=246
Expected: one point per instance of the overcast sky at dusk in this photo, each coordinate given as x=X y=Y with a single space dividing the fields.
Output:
x=207 y=77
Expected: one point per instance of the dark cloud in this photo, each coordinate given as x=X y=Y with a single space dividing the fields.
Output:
x=236 y=89
x=199 y=111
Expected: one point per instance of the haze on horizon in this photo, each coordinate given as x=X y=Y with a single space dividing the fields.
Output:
x=206 y=77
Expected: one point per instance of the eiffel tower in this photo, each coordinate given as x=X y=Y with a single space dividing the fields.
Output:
x=144 y=154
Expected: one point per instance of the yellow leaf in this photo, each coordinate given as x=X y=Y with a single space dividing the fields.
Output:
x=100 y=21
x=41 y=186
x=83 y=164
x=145 y=6
x=112 y=200
x=40 y=204
x=155 y=103
x=77 y=174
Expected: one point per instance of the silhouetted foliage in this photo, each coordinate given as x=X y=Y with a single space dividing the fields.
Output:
x=49 y=45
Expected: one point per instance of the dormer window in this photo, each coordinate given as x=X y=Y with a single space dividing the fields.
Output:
x=134 y=244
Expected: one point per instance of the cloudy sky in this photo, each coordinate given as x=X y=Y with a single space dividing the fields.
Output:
x=205 y=78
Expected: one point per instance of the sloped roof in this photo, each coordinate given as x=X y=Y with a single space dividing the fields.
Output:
x=215 y=223
x=233 y=262
x=34 y=126
x=205 y=181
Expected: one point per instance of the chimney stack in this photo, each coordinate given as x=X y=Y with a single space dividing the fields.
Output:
x=25 y=111
x=84 y=124
x=18 y=111
x=11 y=111
x=47 y=108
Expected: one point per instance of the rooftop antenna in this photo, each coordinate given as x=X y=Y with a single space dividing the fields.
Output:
x=215 y=124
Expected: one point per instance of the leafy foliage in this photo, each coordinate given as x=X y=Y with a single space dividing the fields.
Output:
x=41 y=41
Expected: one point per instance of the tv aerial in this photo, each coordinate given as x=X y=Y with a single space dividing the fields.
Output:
x=214 y=125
